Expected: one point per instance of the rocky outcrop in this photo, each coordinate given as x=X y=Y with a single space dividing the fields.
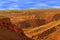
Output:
x=7 y=31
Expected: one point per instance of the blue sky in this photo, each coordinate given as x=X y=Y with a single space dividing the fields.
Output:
x=28 y=4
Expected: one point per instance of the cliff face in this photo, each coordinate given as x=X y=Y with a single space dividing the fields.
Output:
x=12 y=23
x=8 y=31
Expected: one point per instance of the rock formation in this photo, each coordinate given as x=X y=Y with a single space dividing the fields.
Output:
x=7 y=31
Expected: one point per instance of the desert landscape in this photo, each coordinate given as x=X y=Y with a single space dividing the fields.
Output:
x=32 y=24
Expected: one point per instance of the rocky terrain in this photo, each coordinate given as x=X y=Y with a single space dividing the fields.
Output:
x=21 y=24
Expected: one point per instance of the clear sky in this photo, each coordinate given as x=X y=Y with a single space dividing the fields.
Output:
x=28 y=4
